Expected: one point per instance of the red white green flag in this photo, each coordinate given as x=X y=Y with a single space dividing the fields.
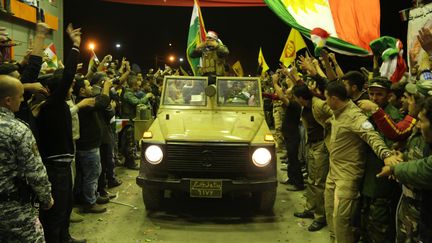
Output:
x=50 y=53
x=197 y=34
x=352 y=24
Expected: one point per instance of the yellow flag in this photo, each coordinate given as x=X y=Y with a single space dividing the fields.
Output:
x=294 y=43
x=262 y=63
x=238 y=69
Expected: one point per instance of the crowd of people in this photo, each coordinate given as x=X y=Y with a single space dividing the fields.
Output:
x=59 y=143
x=359 y=143
x=362 y=139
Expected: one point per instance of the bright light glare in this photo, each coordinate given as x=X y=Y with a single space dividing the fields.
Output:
x=118 y=45
x=153 y=154
x=181 y=59
x=171 y=58
x=261 y=157
x=92 y=46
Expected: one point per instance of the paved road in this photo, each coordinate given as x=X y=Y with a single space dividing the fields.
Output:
x=196 y=221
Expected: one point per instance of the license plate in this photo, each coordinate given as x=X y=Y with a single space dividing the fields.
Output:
x=206 y=188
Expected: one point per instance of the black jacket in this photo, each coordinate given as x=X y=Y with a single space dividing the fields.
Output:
x=54 y=121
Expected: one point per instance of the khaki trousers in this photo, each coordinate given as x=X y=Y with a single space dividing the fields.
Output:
x=341 y=199
x=318 y=166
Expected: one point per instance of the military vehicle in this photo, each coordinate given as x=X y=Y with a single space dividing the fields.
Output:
x=209 y=141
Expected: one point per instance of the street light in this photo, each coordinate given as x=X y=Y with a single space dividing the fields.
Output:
x=91 y=46
x=171 y=58
x=118 y=45
x=181 y=59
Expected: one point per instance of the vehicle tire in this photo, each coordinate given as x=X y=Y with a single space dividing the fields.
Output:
x=265 y=200
x=152 y=198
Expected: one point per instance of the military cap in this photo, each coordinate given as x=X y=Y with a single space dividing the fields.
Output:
x=423 y=87
x=380 y=82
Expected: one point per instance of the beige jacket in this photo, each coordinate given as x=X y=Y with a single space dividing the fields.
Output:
x=351 y=132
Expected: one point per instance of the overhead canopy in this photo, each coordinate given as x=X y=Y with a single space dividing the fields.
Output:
x=190 y=3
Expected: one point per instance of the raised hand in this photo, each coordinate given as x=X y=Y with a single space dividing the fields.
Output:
x=4 y=36
x=307 y=65
x=425 y=39
x=332 y=56
x=42 y=29
x=87 y=102
x=26 y=57
x=107 y=58
x=74 y=34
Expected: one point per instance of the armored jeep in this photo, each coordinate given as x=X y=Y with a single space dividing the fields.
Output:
x=209 y=141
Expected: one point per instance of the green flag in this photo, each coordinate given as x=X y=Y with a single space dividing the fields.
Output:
x=197 y=34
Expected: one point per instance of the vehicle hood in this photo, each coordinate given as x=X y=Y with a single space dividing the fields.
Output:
x=217 y=127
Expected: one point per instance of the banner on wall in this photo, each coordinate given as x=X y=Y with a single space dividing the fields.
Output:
x=418 y=18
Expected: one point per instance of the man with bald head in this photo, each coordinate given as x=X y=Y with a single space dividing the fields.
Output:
x=22 y=173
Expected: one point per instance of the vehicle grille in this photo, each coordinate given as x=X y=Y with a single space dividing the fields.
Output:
x=208 y=158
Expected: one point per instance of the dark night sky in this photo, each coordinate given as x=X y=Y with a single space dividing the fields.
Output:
x=146 y=31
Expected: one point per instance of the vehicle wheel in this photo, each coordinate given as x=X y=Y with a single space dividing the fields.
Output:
x=152 y=198
x=265 y=200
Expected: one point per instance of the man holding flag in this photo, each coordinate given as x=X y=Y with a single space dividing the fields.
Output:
x=205 y=51
x=213 y=53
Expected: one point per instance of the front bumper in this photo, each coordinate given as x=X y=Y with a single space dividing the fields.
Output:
x=228 y=185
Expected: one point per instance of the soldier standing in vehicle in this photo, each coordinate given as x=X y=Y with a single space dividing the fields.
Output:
x=213 y=53
x=22 y=172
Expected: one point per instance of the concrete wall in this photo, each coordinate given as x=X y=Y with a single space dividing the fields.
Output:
x=22 y=31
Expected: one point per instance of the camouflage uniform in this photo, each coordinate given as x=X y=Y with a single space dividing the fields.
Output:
x=127 y=138
x=20 y=162
x=213 y=60
x=278 y=114
x=408 y=212
x=418 y=173
x=380 y=195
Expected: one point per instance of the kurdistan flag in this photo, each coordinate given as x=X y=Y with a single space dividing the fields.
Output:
x=352 y=24
x=50 y=53
x=197 y=34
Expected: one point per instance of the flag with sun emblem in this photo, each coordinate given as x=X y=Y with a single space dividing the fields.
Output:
x=352 y=24
x=293 y=44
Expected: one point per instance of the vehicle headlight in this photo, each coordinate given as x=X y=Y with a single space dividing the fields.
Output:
x=153 y=154
x=261 y=157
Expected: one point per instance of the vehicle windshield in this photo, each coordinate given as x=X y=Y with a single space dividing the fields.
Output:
x=238 y=92
x=184 y=91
